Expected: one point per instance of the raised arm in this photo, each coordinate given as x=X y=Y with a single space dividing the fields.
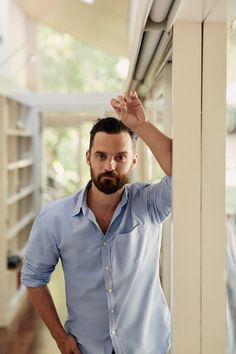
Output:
x=130 y=110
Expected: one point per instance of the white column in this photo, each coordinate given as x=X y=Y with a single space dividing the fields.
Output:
x=186 y=82
x=166 y=233
x=213 y=189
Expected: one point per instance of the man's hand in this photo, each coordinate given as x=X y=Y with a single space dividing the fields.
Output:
x=130 y=110
x=68 y=345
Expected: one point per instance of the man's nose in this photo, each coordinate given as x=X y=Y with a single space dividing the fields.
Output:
x=110 y=164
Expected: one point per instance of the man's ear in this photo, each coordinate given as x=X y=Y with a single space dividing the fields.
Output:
x=134 y=161
x=88 y=157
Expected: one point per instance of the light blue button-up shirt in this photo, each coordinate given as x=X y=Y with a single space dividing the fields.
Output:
x=113 y=291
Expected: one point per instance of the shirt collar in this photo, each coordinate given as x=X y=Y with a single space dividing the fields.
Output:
x=124 y=197
x=82 y=199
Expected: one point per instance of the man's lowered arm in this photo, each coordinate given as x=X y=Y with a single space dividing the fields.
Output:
x=44 y=304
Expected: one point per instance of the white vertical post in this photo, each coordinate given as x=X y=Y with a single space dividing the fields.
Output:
x=213 y=189
x=186 y=81
x=166 y=233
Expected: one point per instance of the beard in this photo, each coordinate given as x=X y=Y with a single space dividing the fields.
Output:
x=109 y=185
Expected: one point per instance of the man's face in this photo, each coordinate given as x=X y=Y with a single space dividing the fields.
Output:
x=111 y=159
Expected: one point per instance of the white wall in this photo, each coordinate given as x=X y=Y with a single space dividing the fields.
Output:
x=15 y=46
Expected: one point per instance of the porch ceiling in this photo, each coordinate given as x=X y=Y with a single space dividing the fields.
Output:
x=103 y=24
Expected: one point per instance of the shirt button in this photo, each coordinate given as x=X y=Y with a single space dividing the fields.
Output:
x=112 y=311
x=104 y=243
x=109 y=290
x=113 y=332
x=107 y=268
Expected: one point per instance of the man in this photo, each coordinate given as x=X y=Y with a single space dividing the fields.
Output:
x=108 y=239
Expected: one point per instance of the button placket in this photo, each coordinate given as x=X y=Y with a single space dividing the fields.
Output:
x=109 y=286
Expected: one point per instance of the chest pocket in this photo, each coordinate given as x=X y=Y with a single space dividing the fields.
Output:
x=128 y=249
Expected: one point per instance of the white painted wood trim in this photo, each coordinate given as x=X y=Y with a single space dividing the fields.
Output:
x=186 y=86
x=167 y=227
x=20 y=225
x=72 y=102
x=19 y=164
x=213 y=289
x=20 y=195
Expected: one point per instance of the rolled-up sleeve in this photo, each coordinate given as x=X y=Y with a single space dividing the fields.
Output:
x=41 y=254
x=160 y=199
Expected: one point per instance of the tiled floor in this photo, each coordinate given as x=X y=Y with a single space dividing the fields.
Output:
x=32 y=336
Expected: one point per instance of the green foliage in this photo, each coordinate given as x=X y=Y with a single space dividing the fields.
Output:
x=62 y=156
x=68 y=65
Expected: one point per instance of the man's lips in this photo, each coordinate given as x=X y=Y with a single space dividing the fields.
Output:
x=108 y=177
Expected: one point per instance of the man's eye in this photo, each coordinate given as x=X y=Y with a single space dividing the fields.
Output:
x=100 y=156
x=121 y=157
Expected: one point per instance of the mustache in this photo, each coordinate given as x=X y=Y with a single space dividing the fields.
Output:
x=108 y=174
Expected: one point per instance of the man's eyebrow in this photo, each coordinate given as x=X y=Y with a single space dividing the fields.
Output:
x=100 y=152
x=117 y=153
x=122 y=153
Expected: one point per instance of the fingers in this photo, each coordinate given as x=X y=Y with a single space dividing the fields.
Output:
x=121 y=102
x=130 y=96
x=119 y=105
x=72 y=346
x=115 y=104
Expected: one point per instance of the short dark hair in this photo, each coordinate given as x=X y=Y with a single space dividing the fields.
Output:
x=110 y=125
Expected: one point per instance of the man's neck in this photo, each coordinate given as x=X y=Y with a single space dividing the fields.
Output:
x=98 y=200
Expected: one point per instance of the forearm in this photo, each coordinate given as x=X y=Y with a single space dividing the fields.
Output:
x=43 y=302
x=159 y=143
